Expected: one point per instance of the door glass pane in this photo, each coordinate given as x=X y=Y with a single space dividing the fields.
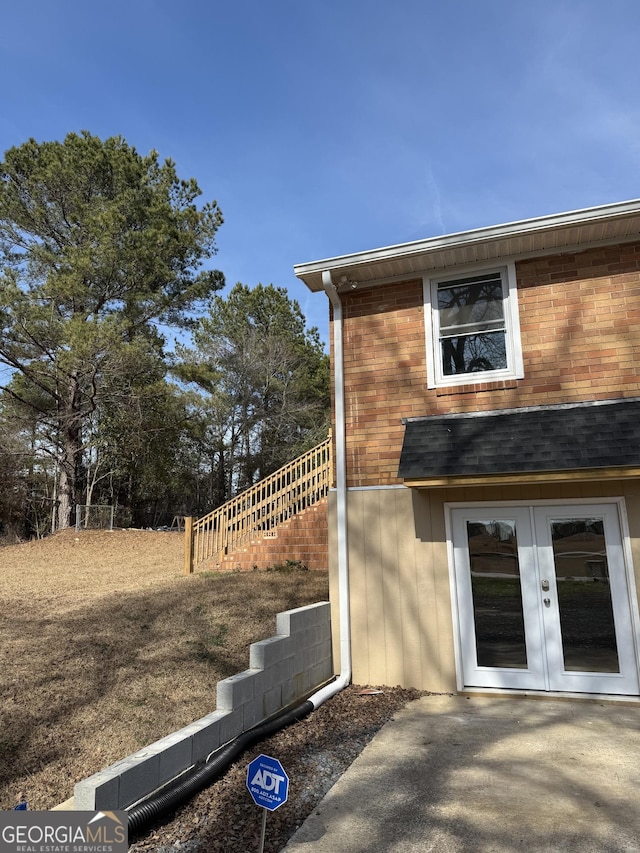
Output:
x=584 y=595
x=497 y=597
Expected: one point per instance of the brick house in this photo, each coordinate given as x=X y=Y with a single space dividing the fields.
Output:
x=485 y=525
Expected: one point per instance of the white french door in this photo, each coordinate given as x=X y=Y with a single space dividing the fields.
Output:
x=543 y=598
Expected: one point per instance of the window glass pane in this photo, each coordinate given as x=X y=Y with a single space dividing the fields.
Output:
x=470 y=305
x=497 y=596
x=584 y=595
x=474 y=353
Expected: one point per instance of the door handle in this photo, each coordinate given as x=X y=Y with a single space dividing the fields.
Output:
x=545 y=585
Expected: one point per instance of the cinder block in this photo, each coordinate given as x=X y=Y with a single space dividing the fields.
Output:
x=261 y=680
x=139 y=776
x=319 y=674
x=267 y=652
x=304 y=617
x=234 y=691
x=325 y=670
x=230 y=726
x=293 y=689
x=295 y=620
x=252 y=713
x=175 y=753
x=322 y=613
x=291 y=621
x=206 y=735
x=99 y=792
x=325 y=652
x=271 y=701
x=325 y=631
x=281 y=672
x=310 y=657
x=289 y=646
x=289 y=694
x=283 y=623
x=309 y=680
x=303 y=637
x=315 y=634
x=297 y=662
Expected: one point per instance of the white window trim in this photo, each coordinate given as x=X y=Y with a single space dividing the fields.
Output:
x=515 y=362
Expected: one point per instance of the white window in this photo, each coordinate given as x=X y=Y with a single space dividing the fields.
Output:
x=473 y=333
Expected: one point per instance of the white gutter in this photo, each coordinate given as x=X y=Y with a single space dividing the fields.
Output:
x=524 y=227
x=341 y=500
x=529 y=238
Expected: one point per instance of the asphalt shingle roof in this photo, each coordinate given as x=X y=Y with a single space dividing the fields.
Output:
x=546 y=438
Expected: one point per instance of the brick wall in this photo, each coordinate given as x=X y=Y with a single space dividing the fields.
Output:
x=580 y=331
x=303 y=538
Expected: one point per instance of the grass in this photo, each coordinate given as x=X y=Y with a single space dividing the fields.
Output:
x=107 y=646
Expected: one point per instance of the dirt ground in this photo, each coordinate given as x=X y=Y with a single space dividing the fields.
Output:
x=108 y=646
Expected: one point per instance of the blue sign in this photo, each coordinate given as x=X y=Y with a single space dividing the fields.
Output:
x=267 y=782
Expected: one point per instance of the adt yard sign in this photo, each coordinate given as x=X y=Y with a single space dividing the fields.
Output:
x=267 y=782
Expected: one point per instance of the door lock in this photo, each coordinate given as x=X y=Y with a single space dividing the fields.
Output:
x=547 y=602
x=545 y=585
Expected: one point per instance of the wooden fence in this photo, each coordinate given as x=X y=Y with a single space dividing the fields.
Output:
x=258 y=510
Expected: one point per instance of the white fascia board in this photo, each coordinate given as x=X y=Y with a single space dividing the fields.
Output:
x=587 y=216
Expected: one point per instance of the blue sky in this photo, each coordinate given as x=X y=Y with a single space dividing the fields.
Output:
x=335 y=127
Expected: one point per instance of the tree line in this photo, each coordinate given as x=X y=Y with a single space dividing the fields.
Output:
x=103 y=260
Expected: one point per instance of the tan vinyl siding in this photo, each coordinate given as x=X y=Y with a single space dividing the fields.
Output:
x=400 y=597
x=401 y=631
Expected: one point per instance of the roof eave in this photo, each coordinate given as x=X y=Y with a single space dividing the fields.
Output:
x=557 y=233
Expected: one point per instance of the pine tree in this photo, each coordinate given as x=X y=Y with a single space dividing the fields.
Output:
x=98 y=245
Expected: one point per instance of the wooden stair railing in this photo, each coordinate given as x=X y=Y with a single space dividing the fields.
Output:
x=259 y=509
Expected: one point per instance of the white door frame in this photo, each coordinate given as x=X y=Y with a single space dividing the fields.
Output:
x=526 y=678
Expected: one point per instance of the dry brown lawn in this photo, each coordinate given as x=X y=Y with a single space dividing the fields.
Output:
x=107 y=646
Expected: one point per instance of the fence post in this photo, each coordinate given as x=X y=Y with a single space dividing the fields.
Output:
x=188 y=545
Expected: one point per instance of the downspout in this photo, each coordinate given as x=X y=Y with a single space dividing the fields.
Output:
x=341 y=500
x=180 y=790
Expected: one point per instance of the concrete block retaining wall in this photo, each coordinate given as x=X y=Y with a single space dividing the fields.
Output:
x=282 y=670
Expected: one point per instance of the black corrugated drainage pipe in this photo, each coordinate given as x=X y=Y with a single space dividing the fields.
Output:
x=188 y=785
x=141 y=815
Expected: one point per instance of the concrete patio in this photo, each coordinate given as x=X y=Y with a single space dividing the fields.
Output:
x=455 y=773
